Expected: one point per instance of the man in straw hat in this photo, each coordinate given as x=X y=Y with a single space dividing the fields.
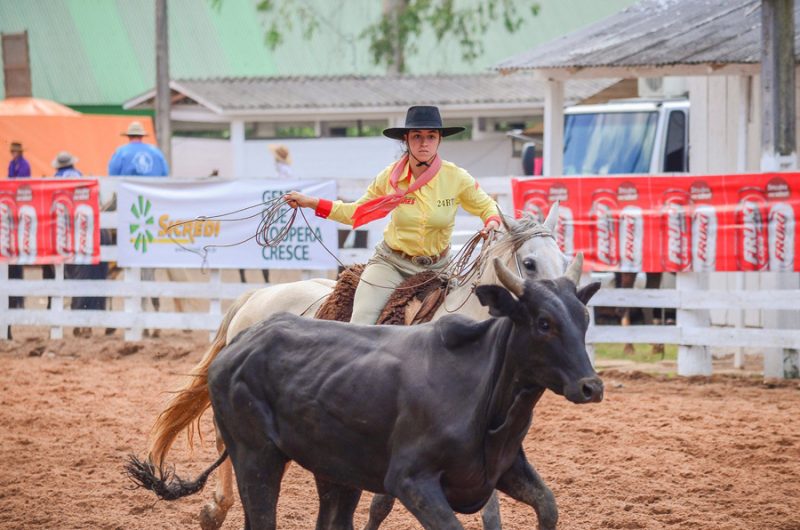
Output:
x=18 y=167
x=65 y=165
x=420 y=193
x=137 y=159
x=283 y=160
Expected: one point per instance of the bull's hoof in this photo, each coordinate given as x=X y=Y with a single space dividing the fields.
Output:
x=211 y=516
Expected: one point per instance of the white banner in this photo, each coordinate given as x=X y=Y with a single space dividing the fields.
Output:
x=166 y=223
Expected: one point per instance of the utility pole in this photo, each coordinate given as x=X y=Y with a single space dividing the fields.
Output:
x=163 y=129
x=779 y=150
x=778 y=136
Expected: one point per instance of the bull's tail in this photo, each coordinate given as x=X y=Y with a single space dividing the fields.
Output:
x=188 y=404
x=165 y=483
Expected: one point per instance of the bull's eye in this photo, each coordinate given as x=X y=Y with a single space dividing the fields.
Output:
x=530 y=264
x=543 y=324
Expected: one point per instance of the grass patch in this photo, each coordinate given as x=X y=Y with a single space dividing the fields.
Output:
x=644 y=353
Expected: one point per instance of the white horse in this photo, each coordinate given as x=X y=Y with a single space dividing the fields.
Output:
x=525 y=246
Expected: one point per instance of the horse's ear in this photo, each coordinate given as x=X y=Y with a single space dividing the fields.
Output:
x=509 y=223
x=500 y=302
x=586 y=292
x=552 y=218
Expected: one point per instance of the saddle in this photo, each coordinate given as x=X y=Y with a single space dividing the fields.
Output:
x=413 y=302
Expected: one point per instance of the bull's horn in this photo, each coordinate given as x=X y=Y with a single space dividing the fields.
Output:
x=510 y=281
x=552 y=218
x=575 y=268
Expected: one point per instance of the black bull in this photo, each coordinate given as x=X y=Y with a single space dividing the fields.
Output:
x=434 y=415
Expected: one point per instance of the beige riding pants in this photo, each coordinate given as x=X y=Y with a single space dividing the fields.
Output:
x=385 y=271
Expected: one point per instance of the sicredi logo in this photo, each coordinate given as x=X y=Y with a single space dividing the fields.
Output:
x=140 y=233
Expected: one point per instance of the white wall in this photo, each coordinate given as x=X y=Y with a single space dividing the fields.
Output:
x=335 y=157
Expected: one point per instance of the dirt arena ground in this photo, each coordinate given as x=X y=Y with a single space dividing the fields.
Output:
x=720 y=453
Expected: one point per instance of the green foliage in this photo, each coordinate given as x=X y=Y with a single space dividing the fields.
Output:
x=643 y=354
x=394 y=37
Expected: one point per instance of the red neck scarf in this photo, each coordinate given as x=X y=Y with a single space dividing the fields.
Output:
x=380 y=207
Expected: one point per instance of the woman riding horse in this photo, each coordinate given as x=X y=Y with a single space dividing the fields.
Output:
x=526 y=246
x=422 y=193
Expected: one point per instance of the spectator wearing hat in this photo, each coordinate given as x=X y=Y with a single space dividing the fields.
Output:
x=65 y=165
x=18 y=167
x=283 y=160
x=421 y=194
x=136 y=158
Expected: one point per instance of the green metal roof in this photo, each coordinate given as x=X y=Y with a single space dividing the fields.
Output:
x=101 y=52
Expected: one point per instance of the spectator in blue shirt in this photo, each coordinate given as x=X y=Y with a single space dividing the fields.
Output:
x=137 y=159
x=18 y=167
x=65 y=165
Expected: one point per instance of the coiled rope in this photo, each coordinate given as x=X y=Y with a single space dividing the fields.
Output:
x=460 y=268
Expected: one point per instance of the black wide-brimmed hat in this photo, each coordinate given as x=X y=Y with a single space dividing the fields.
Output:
x=421 y=117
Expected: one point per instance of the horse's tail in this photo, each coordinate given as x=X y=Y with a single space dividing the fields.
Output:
x=167 y=485
x=190 y=402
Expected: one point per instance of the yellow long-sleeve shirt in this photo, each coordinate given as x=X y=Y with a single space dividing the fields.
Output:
x=422 y=224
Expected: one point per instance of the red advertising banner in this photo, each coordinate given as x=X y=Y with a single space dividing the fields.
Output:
x=672 y=223
x=49 y=221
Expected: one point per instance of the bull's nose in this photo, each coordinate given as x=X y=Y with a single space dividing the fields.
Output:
x=591 y=389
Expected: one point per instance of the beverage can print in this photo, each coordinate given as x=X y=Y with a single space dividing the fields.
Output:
x=61 y=226
x=535 y=203
x=8 y=233
x=704 y=227
x=704 y=238
x=631 y=239
x=565 y=231
x=27 y=225
x=780 y=226
x=781 y=234
x=604 y=227
x=675 y=231
x=751 y=230
x=84 y=233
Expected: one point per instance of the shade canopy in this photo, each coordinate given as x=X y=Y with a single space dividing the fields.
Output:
x=45 y=128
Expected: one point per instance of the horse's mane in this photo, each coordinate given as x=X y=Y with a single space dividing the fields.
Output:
x=520 y=232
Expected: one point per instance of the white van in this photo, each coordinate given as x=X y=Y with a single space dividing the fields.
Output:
x=627 y=137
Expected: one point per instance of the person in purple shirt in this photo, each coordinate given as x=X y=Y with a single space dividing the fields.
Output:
x=18 y=167
x=136 y=158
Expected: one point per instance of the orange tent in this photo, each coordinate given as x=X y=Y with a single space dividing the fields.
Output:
x=44 y=128
x=34 y=107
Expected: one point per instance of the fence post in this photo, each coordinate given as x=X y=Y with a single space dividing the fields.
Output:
x=692 y=360
x=3 y=301
x=133 y=303
x=214 y=304
x=57 y=302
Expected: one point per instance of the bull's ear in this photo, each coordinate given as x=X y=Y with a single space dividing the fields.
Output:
x=586 y=292
x=500 y=302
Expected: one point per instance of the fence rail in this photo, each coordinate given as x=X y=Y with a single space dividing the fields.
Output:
x=691 y=299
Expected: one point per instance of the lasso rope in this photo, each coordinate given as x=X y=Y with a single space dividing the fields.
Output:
x=461 y=267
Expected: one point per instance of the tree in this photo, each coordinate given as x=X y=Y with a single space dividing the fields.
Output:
x=394 y=37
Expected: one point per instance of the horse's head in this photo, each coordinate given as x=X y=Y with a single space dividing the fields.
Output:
x=533 y=246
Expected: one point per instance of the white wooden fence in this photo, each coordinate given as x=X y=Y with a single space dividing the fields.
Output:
x=691 y=299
